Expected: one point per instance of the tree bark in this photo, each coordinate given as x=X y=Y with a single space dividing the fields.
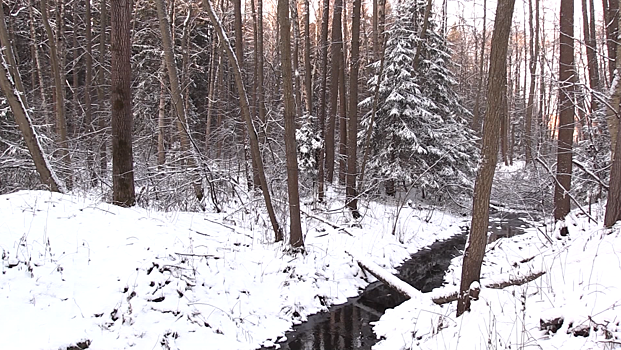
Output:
x=88 y=106
x=295 y=237
x=566 y=111
x=322 y=97
x=476 y=122
x=497 y=85
x=534 y=54
x=38 y=65
x=121 y=103
x=103 y=154
x=336 y=53
x=352 y=130
x=245 y=111
x=308 y=78
x=611 y=18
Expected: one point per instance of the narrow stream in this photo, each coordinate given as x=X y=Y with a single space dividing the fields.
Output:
x=348 y=326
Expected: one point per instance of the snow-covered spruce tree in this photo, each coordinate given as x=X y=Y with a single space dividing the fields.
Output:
x=420 y=134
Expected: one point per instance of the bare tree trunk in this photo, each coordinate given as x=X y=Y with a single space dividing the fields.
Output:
x=343 y=121
x=476 y=122
x=296 y=56
x=613 y=204
x=350 y=180
x=534 y=54
x=38 y=65
x=213 y=80
x=475 y=248
x=566 y=112
x=295 y=237
x=177 y=99
x=121 y=102
x=245 y=111
x=611 y=17
x=103 y=154
x=322 y=96
x=10 y=83
x=161 y=120
x=59 y=85
x=308 y=78
x=88 y=108
x=336 y=60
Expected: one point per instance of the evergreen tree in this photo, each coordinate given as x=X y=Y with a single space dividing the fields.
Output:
x=420 y=132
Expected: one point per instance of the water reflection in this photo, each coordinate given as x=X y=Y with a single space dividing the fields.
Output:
x=348 y=326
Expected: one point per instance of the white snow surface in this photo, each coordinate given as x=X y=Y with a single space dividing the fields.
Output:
x=76 y=269
x=582 y=285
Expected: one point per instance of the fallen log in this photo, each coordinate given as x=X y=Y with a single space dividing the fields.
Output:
x=389 y=279
x=450 y=296
x=440 y=298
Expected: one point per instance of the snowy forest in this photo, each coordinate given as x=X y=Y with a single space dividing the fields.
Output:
x=450 y=176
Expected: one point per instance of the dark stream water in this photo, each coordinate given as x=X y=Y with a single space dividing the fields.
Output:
x=348 y=326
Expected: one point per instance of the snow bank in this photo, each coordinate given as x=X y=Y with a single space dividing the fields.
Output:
x=76 y=270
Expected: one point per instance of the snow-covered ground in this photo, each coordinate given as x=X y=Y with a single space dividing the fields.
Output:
x=76 y=271
x=581 y=288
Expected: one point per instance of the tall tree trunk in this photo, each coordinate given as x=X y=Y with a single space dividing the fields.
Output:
x=88 y=107
x=213 y=81
x=322 y=96
x=295 y=237
x=38 y=65
x=161 y=119
x=121 y=102
x=352 y=130
x=12 y=88
x=103 y=154
x=336 y=48
x=591 y=51
x=296 y=56
x=59 y=86
x=245 y=111
x=534 y=54
x=308 y=78
x=497 y=87
x=613 y=204
x=343 y=120
x=566 y=111
x=476 y=119
x=177 y=100
x=611 y=17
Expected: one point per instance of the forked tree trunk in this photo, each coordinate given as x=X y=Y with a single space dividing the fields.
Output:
x=566 y=112
x=177 y=100
x=121 y=102
x=475 y=249
x=352 y=130
x=295 y=237
x=20 y=112
x=245 y=111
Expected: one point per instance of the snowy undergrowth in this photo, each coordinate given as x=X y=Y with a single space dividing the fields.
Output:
x=576 y=304
x=76 y=271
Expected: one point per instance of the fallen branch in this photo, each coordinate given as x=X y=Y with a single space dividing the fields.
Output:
x=331 y=224
x=512 y=281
